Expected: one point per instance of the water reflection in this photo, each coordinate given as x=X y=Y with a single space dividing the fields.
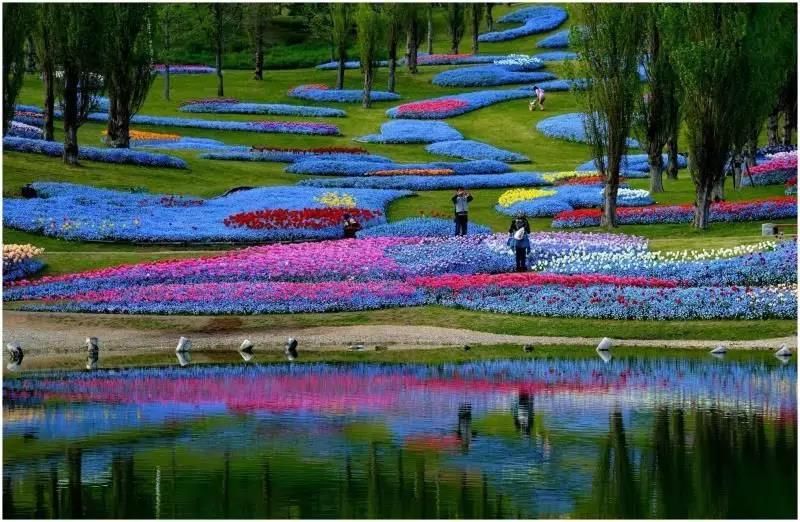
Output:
x=631 y=437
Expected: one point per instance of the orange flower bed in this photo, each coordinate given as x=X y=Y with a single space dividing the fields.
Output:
x=150 y=136
x=412 y=172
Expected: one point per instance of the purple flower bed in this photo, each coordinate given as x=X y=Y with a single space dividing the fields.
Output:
x=534 y=20
x=315 y=93
x=281 y=109
x=282 y=156
x=159 y=68
x=350 y=64
x=486 y=76
x=21 y=270
x=570 y=127
x=454 y=105
x=353 y=167
x=421 y=227
x=475 y=150
x=559 y=40
x=632 y=163
x=556 y=56
x=126 y=156
x=513 y=179
x=79 y=212
x=18 y=129
x=412 y=131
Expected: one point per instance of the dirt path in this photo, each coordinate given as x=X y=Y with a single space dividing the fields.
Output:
x=64 y=333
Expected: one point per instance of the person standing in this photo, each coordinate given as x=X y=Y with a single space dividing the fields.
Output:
x=461 y=201
x=351 y=226
x=518 y=239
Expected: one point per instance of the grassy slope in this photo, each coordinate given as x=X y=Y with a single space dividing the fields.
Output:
x=508 y=125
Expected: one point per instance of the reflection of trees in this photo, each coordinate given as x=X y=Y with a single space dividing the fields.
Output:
x=614 y=490
x=75 y=495
x=464 y=431
x=123 y=486
x=523 y=413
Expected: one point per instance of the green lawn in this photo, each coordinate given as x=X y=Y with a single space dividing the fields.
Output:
x=508 y=125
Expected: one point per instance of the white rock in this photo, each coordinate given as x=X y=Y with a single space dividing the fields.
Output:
x=784 y=351
x=719 y=350
x=184 y=345
x=605 y=344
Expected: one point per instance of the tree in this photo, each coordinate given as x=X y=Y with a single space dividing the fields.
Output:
x=489 y=16
x=78 y=34
x=219 y=21
x=16 y=25
x=713 y=48
x=256 y=18
x=129 y=66
x=393 y=17
x=341 y=24
x=368 y=23
x=658 y=105
x=411 y=22
x=455 y=23
x=429 y=15
x=44 y=44
x=168 y=18
x=476 y=13
x=609 y=51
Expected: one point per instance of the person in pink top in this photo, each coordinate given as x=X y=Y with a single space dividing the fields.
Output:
x=539 y=92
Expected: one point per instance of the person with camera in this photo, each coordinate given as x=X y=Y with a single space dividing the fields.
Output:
x=461 y=201
x=518 y=240
x=351 y=226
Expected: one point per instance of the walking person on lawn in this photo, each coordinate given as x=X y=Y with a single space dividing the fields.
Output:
x=461 y=201
x=518 y=240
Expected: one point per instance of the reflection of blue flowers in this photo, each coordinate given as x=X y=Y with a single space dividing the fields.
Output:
x=426 y=227
x=132 y=157
x=354 y=167
x=487 y=75
x=474 y=150
x=570 y=127
x=412 y=131
x=534 y=19
x=559 y=40
x=512 y=179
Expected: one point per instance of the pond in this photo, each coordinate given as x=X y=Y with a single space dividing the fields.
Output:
x=671 y=435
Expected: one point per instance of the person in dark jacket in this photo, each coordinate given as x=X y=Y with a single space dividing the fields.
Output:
x=518 y=239
x=461 y=201
x=351 y=226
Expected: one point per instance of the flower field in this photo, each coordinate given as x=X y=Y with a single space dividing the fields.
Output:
x=556 y=56
x=18 y=129
x=412 y=131
x=80 y=212
x=475 y=150
x=632 y=163
x=355 y=167
x=469 y=181
x=286 y=156
x=487 y=76
x=322 y=93
x=160 y=68
x=562 y=199
x=222 y=107
x=127 y=156
x=454 y=105
x=559 y=40
x=534 y=20
x=19 y=261
x=466 y=272
x=420 y=227
x=569 y=127
x=776 y=170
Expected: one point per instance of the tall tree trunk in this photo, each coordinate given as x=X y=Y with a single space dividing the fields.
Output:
x=220 y=87
x=489 y=17
x=788 y=125
x=412 y=47
x=672 y=156
x=119 y=126
x=751 y=147
x=608 y=217
x=702 y=204
x=368 y=79
x=49 y=102
x=656 y=162
x=430 y=31
x=340 y=73
x=772 y=129
x=718 y=191
x=392 y=66
x=454 y=46
x=476 y=23
x=30 y=58
x=259 y=70
x=166 y=81
x=70 y=118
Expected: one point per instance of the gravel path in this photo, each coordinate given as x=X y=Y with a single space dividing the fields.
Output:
x=49 y=334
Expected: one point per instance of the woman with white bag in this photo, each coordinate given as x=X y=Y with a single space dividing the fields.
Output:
x=518 y=240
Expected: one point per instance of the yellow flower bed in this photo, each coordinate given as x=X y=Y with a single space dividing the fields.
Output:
x=18 y=253
x=335 y=199
x=552 y=177
x=509 y=197
x=150 y=136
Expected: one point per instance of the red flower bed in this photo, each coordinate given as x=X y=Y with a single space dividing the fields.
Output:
x=461 y=282
x=314 y=150
x=311 y=218
x=432 y=106
x=412 y=172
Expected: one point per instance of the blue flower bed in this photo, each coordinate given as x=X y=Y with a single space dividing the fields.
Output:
x=79 y=212
x=486 y=76
x=126 y=156
x=562 y=85
x=350 y=64
x=556 y=56
x=313 y=93
x=421 y=226
x=281 y=156
x=353 y=167
x=513 y=179
x=462 y=103
x=18 y=129
x=189 y=143
x=570 y=127
x=632 y=163
x=21 y=270
x=559 y=40
x=475 y=150
x=281 y=109
x=412 y=131
x=571 y=197
x=535 y=20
